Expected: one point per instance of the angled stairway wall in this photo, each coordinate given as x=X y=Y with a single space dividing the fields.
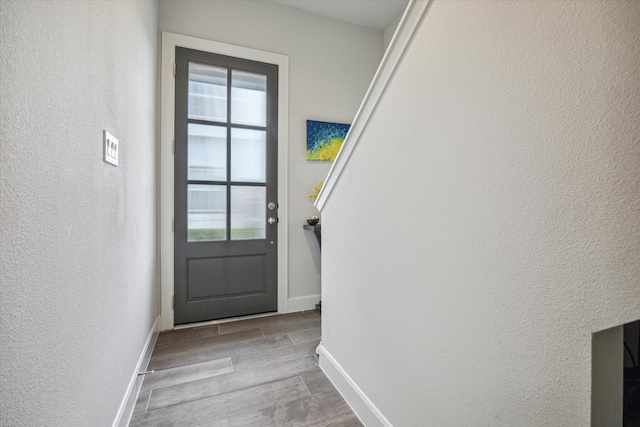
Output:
x=485 y=223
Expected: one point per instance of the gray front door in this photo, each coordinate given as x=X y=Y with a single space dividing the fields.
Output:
x=225 y=187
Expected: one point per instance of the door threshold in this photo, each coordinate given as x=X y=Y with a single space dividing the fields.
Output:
x=221 y=321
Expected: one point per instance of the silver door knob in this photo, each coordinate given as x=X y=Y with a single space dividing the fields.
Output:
x=272 y=220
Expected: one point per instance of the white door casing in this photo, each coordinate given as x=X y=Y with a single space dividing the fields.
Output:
x=166 y=196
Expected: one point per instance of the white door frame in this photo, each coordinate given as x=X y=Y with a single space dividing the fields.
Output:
x=167 y=107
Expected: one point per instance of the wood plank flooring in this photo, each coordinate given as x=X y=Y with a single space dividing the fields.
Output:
x=254 y=372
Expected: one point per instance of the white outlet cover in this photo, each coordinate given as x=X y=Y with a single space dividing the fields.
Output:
x=111 y=149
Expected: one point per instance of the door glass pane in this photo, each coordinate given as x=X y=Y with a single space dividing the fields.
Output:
x=207 y=92
x=248 y=155
x=207 y=212
x=248 y=98
x=248 y=213
x=207 y=153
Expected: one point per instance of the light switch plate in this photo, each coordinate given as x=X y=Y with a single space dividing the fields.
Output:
x=111 y=149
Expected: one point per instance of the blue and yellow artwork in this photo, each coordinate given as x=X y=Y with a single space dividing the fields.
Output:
x=324 y=139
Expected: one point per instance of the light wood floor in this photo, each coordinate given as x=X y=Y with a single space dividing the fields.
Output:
x=257 y=372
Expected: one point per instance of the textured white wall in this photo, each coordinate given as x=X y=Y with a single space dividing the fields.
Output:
x=388 y=32
x=331 y=66
x=78 y=236
x=488 y=221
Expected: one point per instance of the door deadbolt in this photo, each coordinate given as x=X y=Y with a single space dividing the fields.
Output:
x=271 y=206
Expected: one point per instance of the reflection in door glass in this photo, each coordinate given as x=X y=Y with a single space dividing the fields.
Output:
x=207 y=212
x=248 y=155
x=207 y=92
x=248 y=98
x=248 y=212
x=207 y=153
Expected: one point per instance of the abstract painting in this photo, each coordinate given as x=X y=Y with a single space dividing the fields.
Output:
x=324 y=139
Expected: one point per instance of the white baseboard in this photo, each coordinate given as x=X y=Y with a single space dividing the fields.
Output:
x=302 y=303
x=123 y=417
x=355 y=397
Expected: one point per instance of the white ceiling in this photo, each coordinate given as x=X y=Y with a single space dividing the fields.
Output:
x=376 y=14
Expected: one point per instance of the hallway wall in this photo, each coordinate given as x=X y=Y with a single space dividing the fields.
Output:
x=488 y=220
x=78 y=236
x=331 y=64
